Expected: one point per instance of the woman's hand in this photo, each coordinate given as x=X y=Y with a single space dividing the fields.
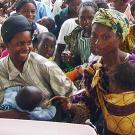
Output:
x=64 y=102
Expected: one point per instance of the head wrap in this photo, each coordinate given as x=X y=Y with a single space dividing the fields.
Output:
x=114 y=19
x=22 y=3
x=14 y=25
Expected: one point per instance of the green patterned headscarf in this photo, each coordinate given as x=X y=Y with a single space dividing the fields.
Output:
x=114 y=19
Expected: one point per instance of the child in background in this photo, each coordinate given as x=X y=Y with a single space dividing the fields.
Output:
x=46 y=45
x=48 y=22
x=30 y=99
x=78 y=40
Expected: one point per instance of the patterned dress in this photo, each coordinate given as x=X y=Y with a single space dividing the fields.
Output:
x=118 y=108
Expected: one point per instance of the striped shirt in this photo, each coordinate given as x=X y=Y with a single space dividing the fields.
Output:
x=37 y=71
x=83 y=47
x=78 y=44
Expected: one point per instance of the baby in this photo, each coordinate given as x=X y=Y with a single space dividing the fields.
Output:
x=28 y=99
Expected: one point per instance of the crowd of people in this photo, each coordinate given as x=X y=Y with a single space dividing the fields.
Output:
x=69 y=61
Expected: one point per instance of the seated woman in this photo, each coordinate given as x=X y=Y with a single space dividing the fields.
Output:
x=28 y=8
x=109 y=29
x=23 y=67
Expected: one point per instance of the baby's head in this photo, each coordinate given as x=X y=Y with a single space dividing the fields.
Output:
x=47 y=22
x=123 y=76
x=29 y=97
x=46 y=44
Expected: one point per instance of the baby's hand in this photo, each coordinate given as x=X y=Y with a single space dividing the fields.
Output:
x=64 y=102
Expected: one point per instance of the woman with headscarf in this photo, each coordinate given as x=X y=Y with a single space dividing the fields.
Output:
x=109 y=29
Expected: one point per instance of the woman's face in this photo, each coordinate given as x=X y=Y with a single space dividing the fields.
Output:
x=86 y=15
x=103 y=40
x=29 y=11
x=19 y=47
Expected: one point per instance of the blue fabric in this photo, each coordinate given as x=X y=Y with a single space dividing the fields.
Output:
x=38 y=113
x=42 y=114
x=42 y=10
x=9 y=98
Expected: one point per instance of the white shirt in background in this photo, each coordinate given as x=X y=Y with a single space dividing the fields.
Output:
x=48 y=2
x=41 y=28
x=57 y=7
x=67 y=27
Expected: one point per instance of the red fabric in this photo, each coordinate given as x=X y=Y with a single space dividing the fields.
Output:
x=4 y=53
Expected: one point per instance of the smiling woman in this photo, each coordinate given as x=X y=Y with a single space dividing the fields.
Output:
x=19 y=48
x=28 y=9
x=23 y=67
x=18 y=40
